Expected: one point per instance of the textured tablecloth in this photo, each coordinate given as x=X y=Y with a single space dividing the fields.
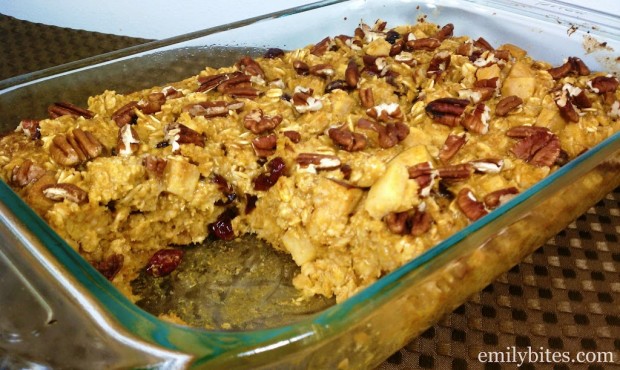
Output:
x=563 y=298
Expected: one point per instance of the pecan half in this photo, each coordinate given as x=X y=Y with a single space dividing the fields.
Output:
x=177 y=133
x=469 y=205
x=498 y=197
x=304 y=102
x=125 y=114
x=414 y=222
x=455 y=172
x=507 y=105
x=26 y=173
x=539 y=146
x=210 y=109
x=389 y=134
x=154 y=166
x=445 y=32
x=259 y=123
x=438 y=64
x=62 y=108
x=573 y=65
x=488 y=165
x=74 y=148
x=164 y=262
x=250 y=66
x=337 y=85
x=321 y=47
x=322 y=70
x=603 y=84
x=424 y=174
x=110 y=267
x=264 y=146
x=318 y=161
x=293 y=136
x=276 y=168
x=451 y=146
x=447 y=111
x=520 y=132
x=478 y=120
x=347 y=139
x=427 y=44
x=208 y=83
x=366 y=97
x=385 y=112
x=65 y=191
x=128 y=141
x=30 y=128
x=152 y=103
x=352 y=74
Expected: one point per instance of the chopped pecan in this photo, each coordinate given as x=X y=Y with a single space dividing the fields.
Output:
x=572 y=65
x=469 y=205
x=30 y=128
x=26 y=173
x=318 y=161
x=128 y=141
x=259 y=123
x=65 y=191
x=483 y=44
x=507 y=104
x=172 y=93
x=152 y=103
x=62 y=108
x=347 y=139
x=264 y=146
x=154 y=166
x=498 y=197
x=352 y=74
x=375 y=64
x=447 y=111
x=385 y=112
x=566 y=107
x=321 y=70
x=250 y=66
x=455 y=172
x=397 y=48
x=438 y=64
x=539 y=146
x=293 y=136
x=177 y=133
x=74 y=148
x=276 y=168
x=478 y=120
x=210 y=109
x=451 y=146
x=488 y=165
x=110 y=266
x=488 y=82
x=125 y=114
x=397 y=223
x=427 y=44
x=465 y=49
x=164 y=262
x=603 y=84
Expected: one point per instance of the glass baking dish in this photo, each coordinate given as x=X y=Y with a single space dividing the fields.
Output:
x=67 y=300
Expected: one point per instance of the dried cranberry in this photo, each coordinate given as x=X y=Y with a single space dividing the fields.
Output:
x=222 y=227
x=272 y=53
x=392 y=36
x=225 y=188
x=164 y=261
x=251 y=203
x=110 y=266
x=275 y=169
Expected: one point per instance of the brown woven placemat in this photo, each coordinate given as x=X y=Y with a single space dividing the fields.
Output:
x=564 y=298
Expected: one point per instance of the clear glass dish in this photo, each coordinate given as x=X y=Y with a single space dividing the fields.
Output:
x=60 y=292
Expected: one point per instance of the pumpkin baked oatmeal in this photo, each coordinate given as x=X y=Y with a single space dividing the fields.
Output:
x=353 y=155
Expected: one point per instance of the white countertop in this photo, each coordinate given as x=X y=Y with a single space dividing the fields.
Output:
x=159 y=19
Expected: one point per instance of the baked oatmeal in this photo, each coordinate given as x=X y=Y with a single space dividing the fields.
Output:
x=353 y=155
